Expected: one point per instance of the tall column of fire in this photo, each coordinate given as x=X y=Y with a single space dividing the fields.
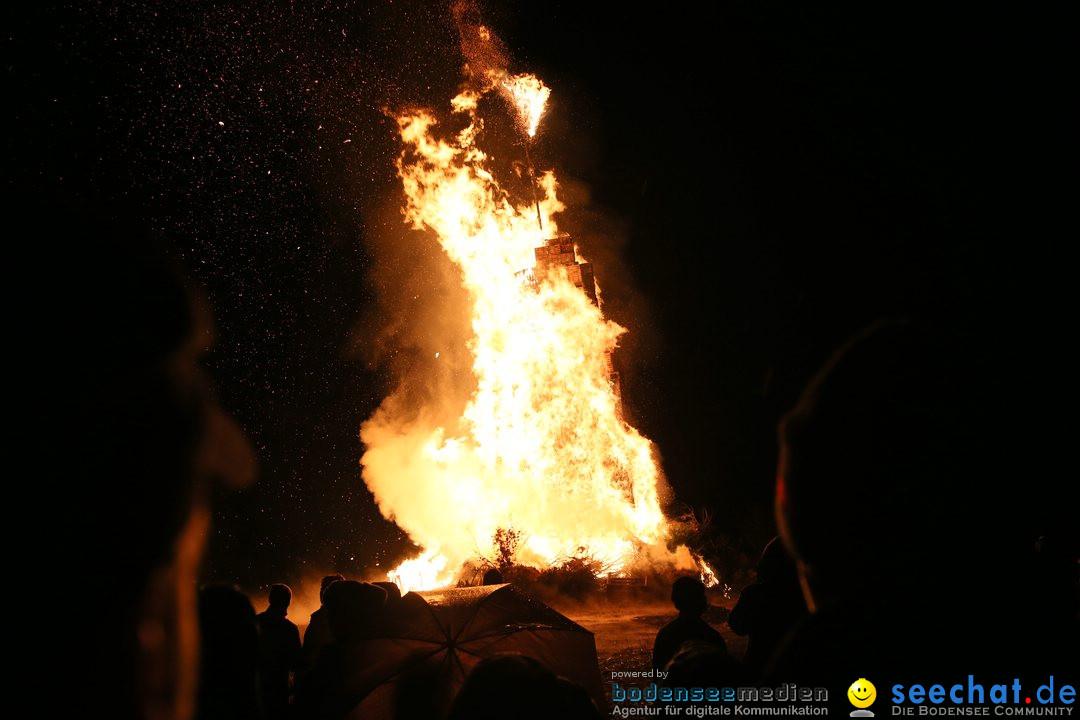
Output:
x=541 y=446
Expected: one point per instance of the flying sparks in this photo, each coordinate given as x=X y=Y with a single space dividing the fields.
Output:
x=529 y=96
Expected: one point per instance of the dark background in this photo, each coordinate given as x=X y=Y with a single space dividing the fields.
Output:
x=764 y=181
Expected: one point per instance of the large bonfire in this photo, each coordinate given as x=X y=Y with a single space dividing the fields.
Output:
x=540 y=452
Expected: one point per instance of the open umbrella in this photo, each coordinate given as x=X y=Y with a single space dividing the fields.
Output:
x=429 y=641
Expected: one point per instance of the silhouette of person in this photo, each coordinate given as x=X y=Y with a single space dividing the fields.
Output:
x=318 y=635
x=113 y=365
x=704 y=664
x=279 y=652
x=770 y=607
x=688 y=595
x=393 y=592
x=228 y=685
x=497 y=686
x=352 y=610
x=882 y=499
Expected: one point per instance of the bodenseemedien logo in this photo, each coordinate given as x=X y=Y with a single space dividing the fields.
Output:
x=862 y=694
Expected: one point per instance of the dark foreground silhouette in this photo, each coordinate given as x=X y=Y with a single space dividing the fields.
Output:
x=891 y=498
x=517 y=686
x=229 y=677
x=688 y=595
x=128 y=441
x=279 y=653
x=770 y=608
x=318 y=635
x=352 y=609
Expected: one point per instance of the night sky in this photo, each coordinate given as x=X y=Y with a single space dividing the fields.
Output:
x=759 y=186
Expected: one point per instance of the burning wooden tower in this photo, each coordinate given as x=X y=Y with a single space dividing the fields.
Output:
x=559 y=252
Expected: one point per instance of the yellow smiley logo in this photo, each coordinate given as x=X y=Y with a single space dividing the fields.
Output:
x=862 y=693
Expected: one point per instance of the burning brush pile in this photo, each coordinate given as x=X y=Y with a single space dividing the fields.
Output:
x=536 y=467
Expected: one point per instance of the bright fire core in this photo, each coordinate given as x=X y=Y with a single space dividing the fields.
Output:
x=540 y=448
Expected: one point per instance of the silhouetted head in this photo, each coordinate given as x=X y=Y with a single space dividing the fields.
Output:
x=351 y=609
x=230 y=640
x=776 y=565
x=688 y=595
x=113 y=367
x=120 y=349
x=223 y=609
x=327 y=581
x=497 y=686
x=493 y=577
x=280 y=596
x=703 y=664
x=393 y=592
x=878 y=460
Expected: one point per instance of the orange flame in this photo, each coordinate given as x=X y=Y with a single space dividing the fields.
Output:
x=529 y=96
x=540 y=446
x=706 y=575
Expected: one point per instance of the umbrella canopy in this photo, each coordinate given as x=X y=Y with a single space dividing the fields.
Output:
x=429 y=641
